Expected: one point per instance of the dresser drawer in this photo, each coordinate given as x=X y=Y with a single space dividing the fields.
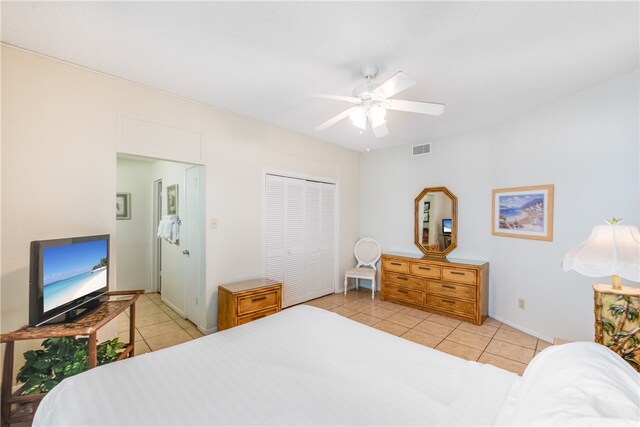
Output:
x=459 y=275
x=414 y=297
x=256 y=302
x=397 y=266
x=451 y=290
x=430 y=271
x=255 y=316
x=450 y=304
x=405 y=281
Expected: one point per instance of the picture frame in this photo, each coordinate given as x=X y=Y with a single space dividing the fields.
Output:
x=123 y=206
x=172 y=199
x=523 y=212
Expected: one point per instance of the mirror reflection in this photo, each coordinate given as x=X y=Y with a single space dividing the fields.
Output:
x=435 y=221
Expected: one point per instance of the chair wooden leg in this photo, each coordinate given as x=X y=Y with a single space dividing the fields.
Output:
x=357 y=283
x=373 y=289
x=345 y=285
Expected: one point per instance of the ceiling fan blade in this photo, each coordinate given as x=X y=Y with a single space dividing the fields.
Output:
x=335 y=97
x=414 y=106
x=397 y=83
x=332 y=121
x=380 y=131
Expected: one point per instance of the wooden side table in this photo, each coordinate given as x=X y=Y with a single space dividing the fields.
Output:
x=246 y=301
x=17 y=408
x=617 y=313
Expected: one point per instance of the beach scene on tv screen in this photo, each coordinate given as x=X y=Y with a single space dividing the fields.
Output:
x=73 y=271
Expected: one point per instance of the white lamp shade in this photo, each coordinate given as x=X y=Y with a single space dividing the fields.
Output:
x=610 y=250
x=377 y=114
x=358 y=118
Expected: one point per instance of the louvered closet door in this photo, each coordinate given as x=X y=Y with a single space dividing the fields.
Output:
x=275 y=208
x=294 y=243
x=300 y=241
x=312 y=232
x=328 y=240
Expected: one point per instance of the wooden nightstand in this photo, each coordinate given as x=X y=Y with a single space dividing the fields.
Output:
x=246 y=301
x=617 y=321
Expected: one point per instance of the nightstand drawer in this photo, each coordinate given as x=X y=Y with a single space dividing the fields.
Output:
x=430 y=271
x=452 y=290
x=451 y=304
x=255 y=316
x=405 y=281
x=459 y=275
x=397 y=266
x=404 y=295
x=257 y=302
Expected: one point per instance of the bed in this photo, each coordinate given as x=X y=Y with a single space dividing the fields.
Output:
x=308 y=366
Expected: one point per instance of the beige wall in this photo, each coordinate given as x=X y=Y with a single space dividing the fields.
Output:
x=62 y=127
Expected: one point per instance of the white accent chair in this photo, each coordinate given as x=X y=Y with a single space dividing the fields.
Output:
x=367 y=252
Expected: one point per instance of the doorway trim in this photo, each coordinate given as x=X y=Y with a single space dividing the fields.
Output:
x=156 y=251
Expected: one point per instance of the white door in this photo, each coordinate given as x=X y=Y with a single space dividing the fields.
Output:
x=312 y=233
x=192 y=229
x=293 y=285
x=300 y=237
x=275 y=208
x=328 y=238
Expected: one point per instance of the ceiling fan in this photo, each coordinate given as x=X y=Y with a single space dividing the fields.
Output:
x=372 y=102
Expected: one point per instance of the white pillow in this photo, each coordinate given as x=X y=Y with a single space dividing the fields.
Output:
x=580 y=383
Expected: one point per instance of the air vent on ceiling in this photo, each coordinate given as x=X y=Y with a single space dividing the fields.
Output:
x=419 y=150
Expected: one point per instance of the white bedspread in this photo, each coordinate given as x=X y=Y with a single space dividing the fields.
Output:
x=303 y=366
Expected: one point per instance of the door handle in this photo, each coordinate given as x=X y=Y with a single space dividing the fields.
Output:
x=186 y=252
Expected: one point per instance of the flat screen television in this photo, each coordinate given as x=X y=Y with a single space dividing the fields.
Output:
x=446 y=226
x=67 y=278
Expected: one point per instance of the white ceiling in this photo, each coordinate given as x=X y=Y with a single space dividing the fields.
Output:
x=487 y=61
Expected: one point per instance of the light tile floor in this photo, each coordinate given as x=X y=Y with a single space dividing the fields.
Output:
x=493 y=342
x=158 y=326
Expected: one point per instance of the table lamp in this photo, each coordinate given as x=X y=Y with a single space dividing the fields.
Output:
x=611 y=250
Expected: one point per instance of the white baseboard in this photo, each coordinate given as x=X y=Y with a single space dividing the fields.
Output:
x=522 y=328
x=173 y=307
x=208 y=331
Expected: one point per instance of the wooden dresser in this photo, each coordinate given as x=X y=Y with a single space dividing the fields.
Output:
x=246 y=301
x=451 y=287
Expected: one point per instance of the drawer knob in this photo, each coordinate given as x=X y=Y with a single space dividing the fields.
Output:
x=424 y=268
x=402 y=278
x=448 y=301
x=258 y=299
x=395 y=263
x=457 y=273
x=448 y=286
x=402 y=291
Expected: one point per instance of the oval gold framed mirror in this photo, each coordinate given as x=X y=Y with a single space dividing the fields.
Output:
x=436 y=221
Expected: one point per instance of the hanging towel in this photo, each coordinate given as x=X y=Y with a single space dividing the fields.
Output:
x=169 y=228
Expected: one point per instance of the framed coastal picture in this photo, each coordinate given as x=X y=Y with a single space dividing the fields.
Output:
x=172 y=199
x=123 y=205
x=524 y=212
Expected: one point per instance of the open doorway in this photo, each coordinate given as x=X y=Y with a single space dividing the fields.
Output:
x=173 y=265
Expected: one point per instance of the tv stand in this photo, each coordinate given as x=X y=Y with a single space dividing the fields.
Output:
x=17 y=408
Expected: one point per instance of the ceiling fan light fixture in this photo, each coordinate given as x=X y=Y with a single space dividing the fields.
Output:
x=358 y=118
x=377 y=114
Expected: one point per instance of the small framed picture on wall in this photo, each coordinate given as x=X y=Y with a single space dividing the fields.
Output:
x=523 y=212
x=172 y=199
x=123 y=205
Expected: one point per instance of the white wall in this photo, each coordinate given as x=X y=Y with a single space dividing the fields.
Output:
x=133 y=237
x=62 y=127
x=586 y=145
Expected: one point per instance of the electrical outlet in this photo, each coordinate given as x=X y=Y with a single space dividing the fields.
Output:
x=214 y=223
x=521 y=303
